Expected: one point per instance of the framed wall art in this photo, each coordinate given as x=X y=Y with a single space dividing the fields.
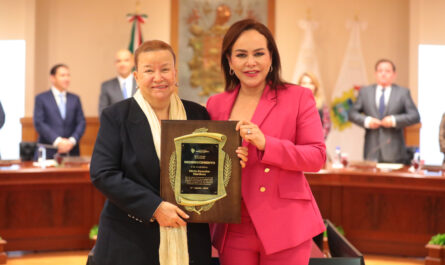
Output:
x=197 y=30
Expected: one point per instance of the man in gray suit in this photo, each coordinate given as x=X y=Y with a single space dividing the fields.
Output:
x=384 y=109
x=121 y=87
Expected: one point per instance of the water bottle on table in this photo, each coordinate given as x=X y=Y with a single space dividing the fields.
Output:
x=416 y=162
x=337 y=163
x=41 y=156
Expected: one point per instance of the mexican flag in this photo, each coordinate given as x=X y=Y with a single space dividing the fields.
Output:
x=136 y=32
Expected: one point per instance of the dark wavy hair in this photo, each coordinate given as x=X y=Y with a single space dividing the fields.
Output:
x=232 y=35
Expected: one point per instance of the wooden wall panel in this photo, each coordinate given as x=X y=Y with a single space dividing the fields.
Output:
x=393 y=213
x=48 y=209
x=86 y=142
x=412 y=134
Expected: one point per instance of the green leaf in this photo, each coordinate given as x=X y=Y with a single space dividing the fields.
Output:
x=93 y=231
x=438 y=239
x=340 y=230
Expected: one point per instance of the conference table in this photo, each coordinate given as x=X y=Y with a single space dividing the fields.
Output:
x=381 y=212
x=49 y=208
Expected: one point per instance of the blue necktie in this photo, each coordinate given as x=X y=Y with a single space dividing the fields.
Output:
x=124 y=90
x=62 y=106
x=382 y=104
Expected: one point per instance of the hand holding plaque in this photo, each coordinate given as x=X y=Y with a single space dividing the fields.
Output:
x=200 y=171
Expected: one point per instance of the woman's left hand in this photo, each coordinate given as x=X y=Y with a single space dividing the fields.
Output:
x=252 y=134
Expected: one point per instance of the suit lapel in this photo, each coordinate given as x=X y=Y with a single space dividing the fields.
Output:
x=392 y=98
x=227 y=104
x=117 y=89
x=53 y=104
x=134 y=87
x=139 y=132
x=375 y=109
x=69 y=106
x=267 y=102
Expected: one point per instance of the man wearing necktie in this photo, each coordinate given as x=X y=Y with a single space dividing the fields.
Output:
x=58 y=115
x=384 y=109
x=121 y=87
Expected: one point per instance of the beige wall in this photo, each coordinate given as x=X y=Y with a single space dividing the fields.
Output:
x=427 y=26
x=85 y=34
x=12 y=19
x=17 y=22
x=386 y=36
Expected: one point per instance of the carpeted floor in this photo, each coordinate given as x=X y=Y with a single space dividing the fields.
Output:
x=80 y=257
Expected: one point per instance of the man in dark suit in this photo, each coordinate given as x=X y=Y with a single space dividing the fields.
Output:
x=384 y=109
x=121 y=87
x=58 y=115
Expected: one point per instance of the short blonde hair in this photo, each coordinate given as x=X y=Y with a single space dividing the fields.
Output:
x=153 y=45
x=318 y=93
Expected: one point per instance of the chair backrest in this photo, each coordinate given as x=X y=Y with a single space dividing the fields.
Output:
x=335 y=261
x=339 y=246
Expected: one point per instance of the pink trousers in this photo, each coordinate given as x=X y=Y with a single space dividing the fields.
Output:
x=242 y=246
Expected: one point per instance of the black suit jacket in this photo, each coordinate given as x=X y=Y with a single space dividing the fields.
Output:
x=125 y=168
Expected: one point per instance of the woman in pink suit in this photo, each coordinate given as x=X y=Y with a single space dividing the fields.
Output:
x=281 y=128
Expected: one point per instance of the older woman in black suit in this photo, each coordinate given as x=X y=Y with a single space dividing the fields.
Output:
x=125 y=166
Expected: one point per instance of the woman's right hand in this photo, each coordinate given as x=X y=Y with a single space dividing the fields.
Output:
x=242 y=153
x=170 y=215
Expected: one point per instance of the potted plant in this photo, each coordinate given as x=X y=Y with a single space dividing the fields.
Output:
x=436 y=250
x=93 y=233
x=2 y=251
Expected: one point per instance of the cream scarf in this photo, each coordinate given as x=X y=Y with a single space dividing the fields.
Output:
x=173 y=246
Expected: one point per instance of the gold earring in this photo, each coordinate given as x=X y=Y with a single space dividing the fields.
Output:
x=231 y=72
x=271 y=69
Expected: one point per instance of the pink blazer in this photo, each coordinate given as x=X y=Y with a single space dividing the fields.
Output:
x=274 y=188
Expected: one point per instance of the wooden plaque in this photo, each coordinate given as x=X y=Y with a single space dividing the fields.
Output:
x=200 y=171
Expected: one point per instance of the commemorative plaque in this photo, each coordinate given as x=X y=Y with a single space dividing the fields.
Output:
x=200 y=171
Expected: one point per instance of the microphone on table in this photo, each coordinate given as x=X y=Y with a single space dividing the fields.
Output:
x=27 y=149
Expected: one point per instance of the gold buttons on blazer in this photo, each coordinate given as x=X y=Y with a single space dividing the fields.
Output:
x=262 y=189
x=267 y=170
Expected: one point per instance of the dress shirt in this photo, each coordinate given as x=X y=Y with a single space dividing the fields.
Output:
x=378 y=94
x=56 y=94
x=128 y=84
